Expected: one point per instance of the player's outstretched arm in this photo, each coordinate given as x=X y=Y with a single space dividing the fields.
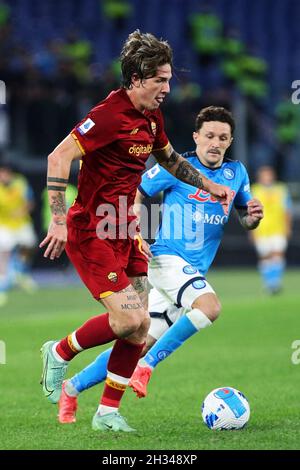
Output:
x=184 y=171
x=59 y=164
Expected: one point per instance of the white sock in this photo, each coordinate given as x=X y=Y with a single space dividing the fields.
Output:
x=198 y=319
x=104 y=410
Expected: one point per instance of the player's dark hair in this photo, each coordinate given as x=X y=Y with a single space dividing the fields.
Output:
x=142 y=54
x=214 y=113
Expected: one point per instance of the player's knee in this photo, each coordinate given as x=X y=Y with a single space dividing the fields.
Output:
x=130 y=327
x=145 y=325
x=210 y=305
x=214 y=310
x=150 y=341
x=130 y=324
x=140 y=334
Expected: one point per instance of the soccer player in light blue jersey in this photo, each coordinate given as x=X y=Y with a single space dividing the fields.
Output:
x=181 y=301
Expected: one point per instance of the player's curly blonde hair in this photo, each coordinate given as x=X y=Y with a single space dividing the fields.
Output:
x=142 y=54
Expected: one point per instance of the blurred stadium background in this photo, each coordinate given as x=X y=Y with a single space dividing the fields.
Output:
x=57 y=59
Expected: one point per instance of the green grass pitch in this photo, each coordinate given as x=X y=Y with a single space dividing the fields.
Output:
x=249 y=348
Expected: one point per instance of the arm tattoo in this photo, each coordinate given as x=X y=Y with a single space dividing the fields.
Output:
x=58 y=204
x=172 y=159
x=184 y=171
x=187 y=173
x=52 y=179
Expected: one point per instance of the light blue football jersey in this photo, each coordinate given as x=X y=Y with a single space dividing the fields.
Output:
x=193 y=222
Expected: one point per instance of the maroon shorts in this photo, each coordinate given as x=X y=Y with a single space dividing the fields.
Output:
x=105 y=265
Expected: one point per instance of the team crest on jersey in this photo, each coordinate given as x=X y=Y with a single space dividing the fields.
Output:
x=199 y=284
x=86 y=126
x=113 y=277
x=153 y=127
x=228 y=173
x=188 y=269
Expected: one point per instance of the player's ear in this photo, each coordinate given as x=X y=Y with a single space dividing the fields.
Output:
x=195 y=137
x=135 y=80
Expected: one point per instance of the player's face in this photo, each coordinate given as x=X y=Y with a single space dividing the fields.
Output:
x=5 y=176
x=266 y=176
x=212 y=140
x=150 y=93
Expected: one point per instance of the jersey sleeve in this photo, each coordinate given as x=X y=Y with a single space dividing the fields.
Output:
x=243 y=195
x=161 y=139
x=155 y=180
x=98 y=129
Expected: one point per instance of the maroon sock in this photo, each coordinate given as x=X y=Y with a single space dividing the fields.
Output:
x=94 y=332
x=123 y=360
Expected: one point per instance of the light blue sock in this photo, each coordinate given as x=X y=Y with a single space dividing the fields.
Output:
x=17 y=264
x=170 y=341
x=267 y=273
x=278 y=271
x=93 y=374
x=5 y=282
x=272 y=272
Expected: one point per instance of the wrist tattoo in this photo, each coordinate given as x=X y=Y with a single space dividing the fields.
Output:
x=56 y=188
x=58 y=205
x=52 y=179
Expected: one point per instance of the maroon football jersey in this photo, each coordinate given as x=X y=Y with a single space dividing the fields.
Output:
x=116 y=140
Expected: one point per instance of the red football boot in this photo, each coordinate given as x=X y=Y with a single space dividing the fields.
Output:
x=139 y=380
x=67 y=407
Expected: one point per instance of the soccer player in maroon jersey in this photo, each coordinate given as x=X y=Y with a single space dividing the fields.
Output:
x=114 y=141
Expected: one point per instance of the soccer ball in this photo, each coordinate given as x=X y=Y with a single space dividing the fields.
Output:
x=225 y=408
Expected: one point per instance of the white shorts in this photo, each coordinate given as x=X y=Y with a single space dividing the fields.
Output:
x=267 y=245
x=24 y=236
x=162 y=313
x=176 y=285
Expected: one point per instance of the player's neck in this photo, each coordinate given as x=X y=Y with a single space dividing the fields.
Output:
x=134 y=100
x=211 y=166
